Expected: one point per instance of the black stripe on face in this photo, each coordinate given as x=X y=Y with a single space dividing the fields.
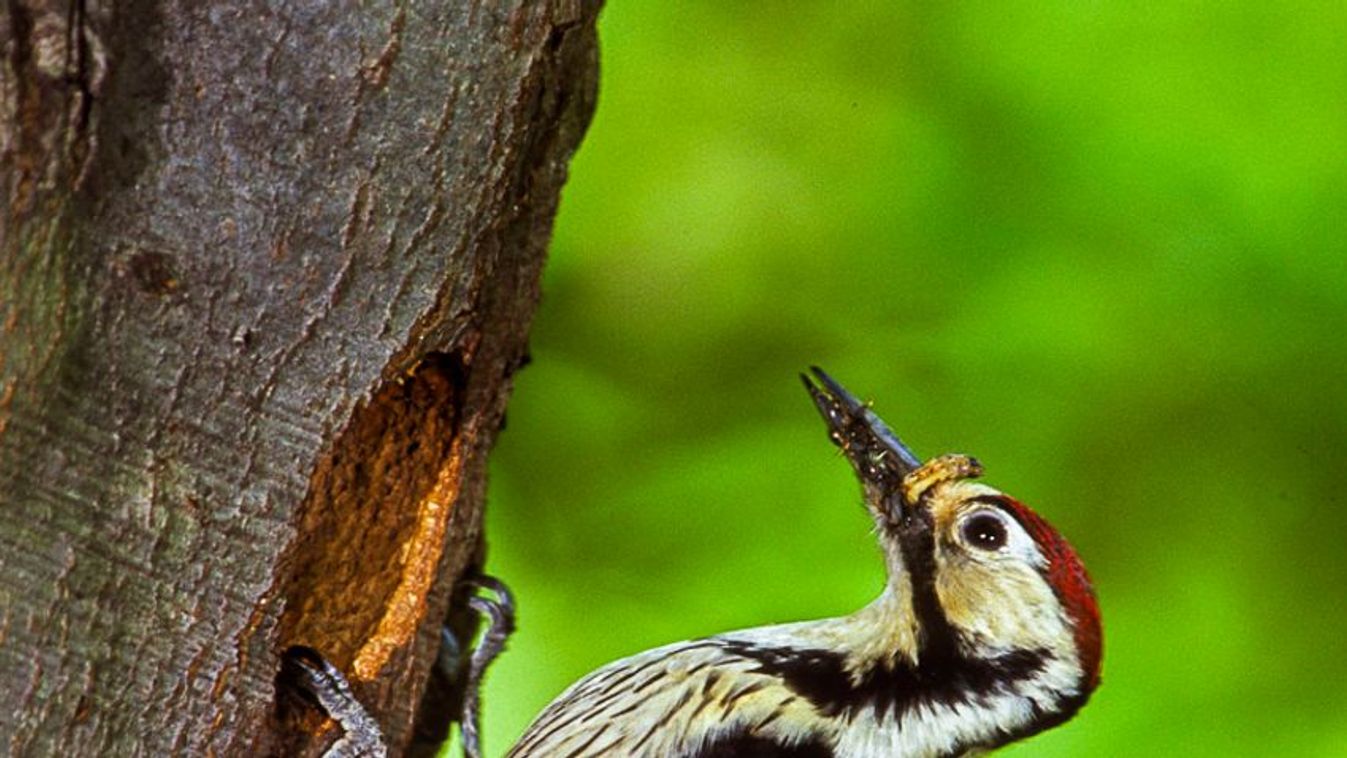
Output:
x=937 y=640
x=820 y=677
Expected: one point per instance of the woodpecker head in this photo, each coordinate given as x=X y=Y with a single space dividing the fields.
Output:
x=974 y=575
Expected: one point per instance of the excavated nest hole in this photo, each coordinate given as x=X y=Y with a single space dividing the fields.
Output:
x=371 y=533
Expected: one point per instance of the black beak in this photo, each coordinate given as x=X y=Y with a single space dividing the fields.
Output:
x=879 y=457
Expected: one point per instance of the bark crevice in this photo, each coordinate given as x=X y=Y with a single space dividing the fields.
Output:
x=265 y=274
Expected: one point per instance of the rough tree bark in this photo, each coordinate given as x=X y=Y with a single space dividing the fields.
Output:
x=266 y=269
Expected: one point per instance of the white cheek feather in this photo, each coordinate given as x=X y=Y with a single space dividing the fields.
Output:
x=1000 y=596
x=1017 y=609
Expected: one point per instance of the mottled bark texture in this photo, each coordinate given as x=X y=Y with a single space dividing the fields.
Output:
x=266 y=269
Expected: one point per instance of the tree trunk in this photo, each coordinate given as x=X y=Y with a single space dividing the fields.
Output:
x=266 y=270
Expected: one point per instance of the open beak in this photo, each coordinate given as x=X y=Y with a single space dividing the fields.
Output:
x=881 y=459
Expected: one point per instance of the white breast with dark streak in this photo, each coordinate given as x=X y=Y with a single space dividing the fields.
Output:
x=782 y=689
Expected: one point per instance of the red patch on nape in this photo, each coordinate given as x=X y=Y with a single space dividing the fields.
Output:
x=1072 y=584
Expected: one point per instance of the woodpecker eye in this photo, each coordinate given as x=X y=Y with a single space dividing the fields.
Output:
x=985 y=531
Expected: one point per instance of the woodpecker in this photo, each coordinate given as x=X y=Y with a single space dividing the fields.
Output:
x=986 y=632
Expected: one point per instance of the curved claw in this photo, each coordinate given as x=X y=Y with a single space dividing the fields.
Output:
x=500 y=617
x=326 y=687
x=484 y=582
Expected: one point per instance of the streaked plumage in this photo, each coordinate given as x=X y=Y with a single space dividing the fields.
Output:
x=968 y=647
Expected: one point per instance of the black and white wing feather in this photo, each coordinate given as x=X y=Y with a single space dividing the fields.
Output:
x=660 y=703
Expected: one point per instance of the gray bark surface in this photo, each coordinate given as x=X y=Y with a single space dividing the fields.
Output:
x=266 y=271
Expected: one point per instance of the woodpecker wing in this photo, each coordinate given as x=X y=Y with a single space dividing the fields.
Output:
x=692 y=698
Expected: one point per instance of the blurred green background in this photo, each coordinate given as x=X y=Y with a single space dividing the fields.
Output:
x=1098 y=246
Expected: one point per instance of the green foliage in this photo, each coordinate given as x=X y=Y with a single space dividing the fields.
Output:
x=1101 y=247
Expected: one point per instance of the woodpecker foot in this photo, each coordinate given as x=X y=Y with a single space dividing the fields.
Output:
x=499 y=614
x=324 y=686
